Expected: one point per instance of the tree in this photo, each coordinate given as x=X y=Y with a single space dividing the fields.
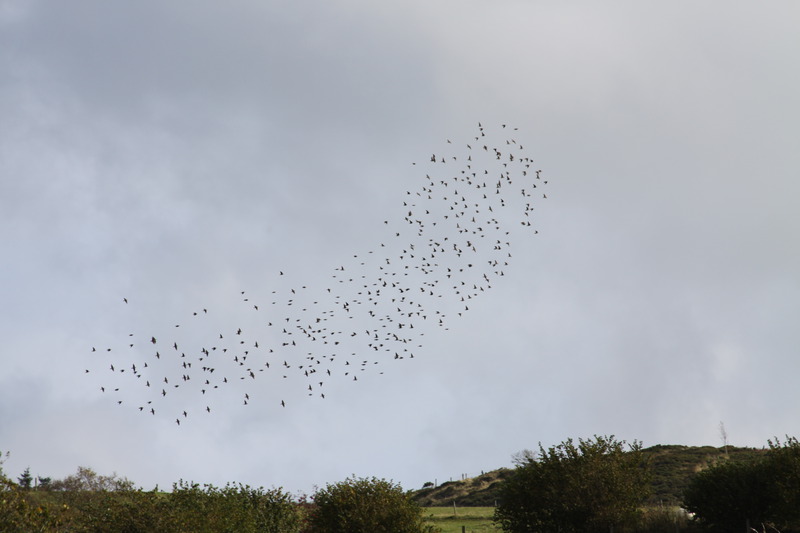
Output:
x=589 y=487
x=43 y=483
x=86 y=479
x=784 y=465
x=26 y=479
x=736 y=495
x=360 y=505
x=729 y=496
x=16 y=513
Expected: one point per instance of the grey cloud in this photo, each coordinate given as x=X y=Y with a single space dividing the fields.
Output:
x=177 y=154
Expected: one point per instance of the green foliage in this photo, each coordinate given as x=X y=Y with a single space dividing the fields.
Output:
x=43 y=483
x=25 y=480
x=784 y=464
x=673 y=466
x=17 y=514
x=234 y=508
x=659 y=519
x=364 y=506
x=733 y=494
x=589 y=486
x=188 y=509
x=592 y=486
x=730 y=495
x=127 y=511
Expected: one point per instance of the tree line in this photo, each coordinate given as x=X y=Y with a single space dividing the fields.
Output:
x=595 y=485
x=89 y=503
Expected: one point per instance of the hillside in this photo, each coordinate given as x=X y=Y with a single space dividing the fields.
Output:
x=473 y=492
x=671 y=466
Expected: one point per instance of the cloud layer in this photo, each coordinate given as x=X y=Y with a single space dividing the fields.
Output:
x=179 y=154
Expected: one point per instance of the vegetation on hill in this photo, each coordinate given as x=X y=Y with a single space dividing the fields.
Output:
x=671 y=466
x=738 y=495
x=595 y=484
x=478 y=491
x=699 y=478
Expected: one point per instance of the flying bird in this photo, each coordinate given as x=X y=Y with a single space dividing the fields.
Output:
x=446 y=245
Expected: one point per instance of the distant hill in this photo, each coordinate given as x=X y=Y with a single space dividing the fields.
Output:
x=473 y=492
x=672 y=466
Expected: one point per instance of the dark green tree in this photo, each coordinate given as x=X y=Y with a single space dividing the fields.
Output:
x=25 y=480
x=730 y=496
x=361 y=505
x=16 y=513
x=784 y=465
x=43 y=483
x=737 y=495
x=593 y=486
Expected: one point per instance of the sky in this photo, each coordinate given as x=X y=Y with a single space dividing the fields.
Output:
x=191 y=156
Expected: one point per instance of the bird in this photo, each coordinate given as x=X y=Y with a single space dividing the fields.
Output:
x=427 y=264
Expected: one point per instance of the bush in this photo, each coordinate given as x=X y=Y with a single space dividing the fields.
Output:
x=188 y=509
x=365 y=506
x=734 y=495
x=238 y=508
x=594 y=486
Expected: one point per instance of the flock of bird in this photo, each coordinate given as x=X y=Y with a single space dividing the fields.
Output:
x=450 y=242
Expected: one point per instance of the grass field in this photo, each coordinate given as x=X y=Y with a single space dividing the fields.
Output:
x=474 y=519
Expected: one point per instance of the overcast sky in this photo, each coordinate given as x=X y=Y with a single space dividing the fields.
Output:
x=176 y=154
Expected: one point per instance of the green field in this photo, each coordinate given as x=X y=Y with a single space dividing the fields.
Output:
x=474 y=519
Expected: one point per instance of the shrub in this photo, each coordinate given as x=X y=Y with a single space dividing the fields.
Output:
x=734 y=495
x=365 y=506
x=594 y=486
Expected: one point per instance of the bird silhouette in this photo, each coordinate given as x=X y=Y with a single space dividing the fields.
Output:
x=449 y=242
